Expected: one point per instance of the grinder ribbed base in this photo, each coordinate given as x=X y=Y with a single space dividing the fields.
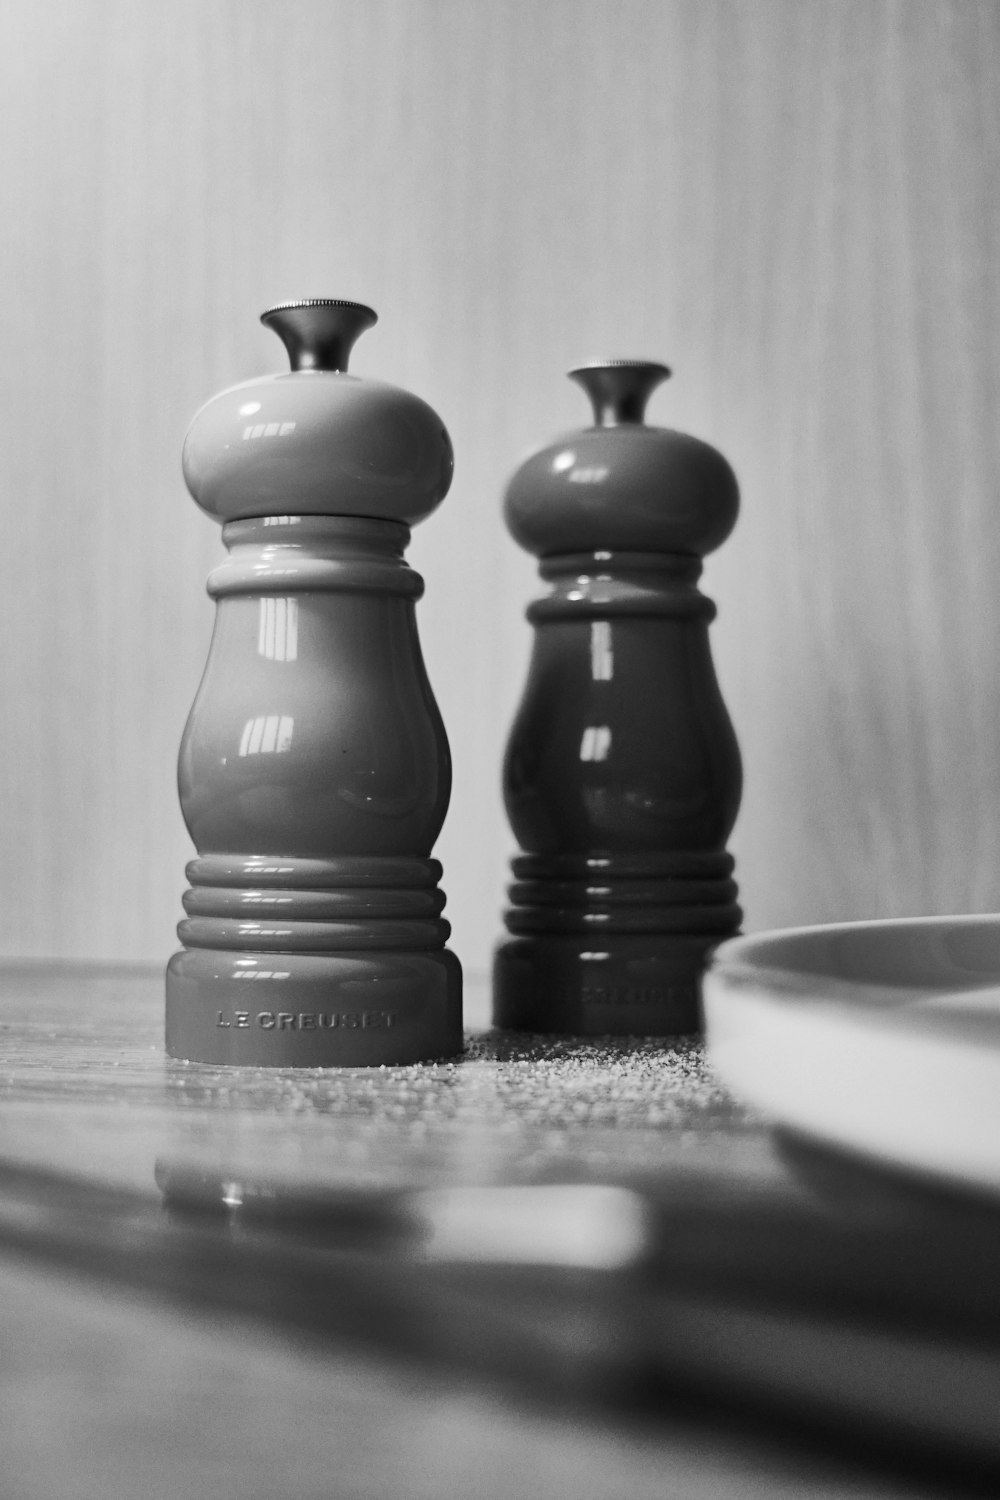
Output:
x=612 y=946
x=621 y=986
x=286 y=1010
x=313 y=963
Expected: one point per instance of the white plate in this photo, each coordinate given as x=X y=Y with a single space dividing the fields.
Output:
x=879 y=1038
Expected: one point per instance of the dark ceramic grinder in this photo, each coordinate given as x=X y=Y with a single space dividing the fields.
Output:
x=314 y=771
x=622 y=777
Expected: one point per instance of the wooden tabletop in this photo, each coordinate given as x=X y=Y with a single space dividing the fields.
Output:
x=248 y=1283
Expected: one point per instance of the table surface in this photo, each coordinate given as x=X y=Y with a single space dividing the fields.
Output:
x=213 y=1283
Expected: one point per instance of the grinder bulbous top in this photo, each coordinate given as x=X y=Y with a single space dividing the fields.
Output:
x=315 y=440
x=622 y=485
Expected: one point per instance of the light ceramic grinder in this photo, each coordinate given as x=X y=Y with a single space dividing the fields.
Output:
x=314 y=770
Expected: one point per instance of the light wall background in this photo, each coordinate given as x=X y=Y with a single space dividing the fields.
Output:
x=793 y=202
